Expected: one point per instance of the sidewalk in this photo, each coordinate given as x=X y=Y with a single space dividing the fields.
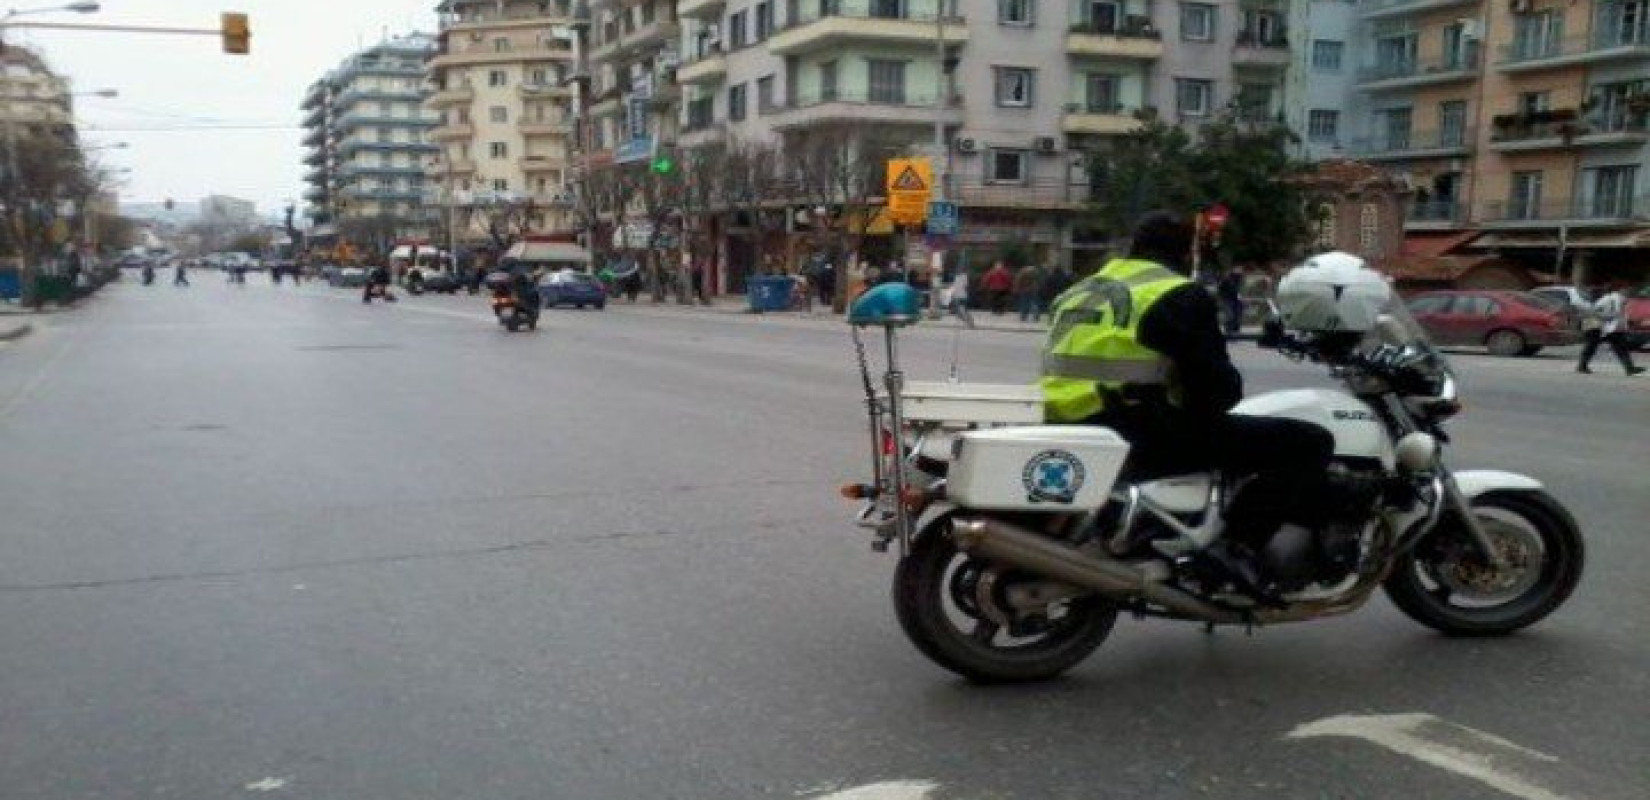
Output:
x=14 y=322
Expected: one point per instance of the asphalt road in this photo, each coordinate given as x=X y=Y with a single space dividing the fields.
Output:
x=268 y=541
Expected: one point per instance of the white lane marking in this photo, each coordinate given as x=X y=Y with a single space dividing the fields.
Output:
x=887 y=790
x=267 y=785
x=1464 y=751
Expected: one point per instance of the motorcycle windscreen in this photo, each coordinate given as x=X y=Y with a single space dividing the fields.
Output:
x=1396 y=327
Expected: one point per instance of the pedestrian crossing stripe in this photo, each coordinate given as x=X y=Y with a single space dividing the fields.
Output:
x=909 y=181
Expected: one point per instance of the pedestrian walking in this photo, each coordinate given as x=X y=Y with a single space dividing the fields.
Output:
x=956 y=297
x=1055 y=283
x=997 y=283
x=1028 y=285
x=1230 y=293
x=826 y=283
x=180 y=275
x=696 y=280
x=1610 y=316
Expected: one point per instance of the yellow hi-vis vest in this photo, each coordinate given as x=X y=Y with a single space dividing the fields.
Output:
x=1094 y=343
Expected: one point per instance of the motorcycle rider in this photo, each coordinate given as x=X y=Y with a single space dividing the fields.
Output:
x=1138 y=348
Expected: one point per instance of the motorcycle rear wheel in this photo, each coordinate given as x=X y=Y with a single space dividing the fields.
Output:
x=1538 y=538
x=926 y=602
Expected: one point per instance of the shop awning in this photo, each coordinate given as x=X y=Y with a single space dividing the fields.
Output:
x=1604 y=240
x=1435 y=244
x=548 y=252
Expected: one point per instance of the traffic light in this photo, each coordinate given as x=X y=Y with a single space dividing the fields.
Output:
x=663 y=164
x=237 y=34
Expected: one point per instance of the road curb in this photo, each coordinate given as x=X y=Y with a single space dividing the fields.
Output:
x=9 y=333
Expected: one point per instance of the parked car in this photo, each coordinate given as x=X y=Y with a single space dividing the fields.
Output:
x=1573 y=296
x=1508 y=323
x=1638 y=318
x=570 y=288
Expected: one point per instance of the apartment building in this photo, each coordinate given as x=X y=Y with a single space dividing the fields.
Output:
x=499 y=86
x=635 y=48
x=365 y=137
x=30 y=93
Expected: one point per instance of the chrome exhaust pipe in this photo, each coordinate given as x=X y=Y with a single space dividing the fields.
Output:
x=1002 y=541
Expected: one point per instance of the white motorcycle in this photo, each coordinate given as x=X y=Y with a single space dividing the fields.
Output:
x=1020 y=543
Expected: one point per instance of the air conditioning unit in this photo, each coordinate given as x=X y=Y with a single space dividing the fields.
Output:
x=967 y=145
x=1046 y=144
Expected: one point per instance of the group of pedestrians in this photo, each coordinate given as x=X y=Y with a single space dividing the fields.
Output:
x=1032 y=289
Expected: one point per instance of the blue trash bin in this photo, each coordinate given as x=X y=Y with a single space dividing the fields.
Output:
x=769 y=293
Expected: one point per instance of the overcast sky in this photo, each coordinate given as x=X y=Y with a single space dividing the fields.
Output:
x=175 y=89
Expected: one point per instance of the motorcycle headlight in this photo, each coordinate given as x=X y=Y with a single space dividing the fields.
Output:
x=1417 y=452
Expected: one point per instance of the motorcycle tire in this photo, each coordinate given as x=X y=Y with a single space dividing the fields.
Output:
x=924 y=586
x=1516 y=520
x=512 y=324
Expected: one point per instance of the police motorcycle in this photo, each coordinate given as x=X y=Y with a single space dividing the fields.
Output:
x=1020 y=543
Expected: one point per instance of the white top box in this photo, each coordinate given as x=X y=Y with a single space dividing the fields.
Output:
x=965 y=405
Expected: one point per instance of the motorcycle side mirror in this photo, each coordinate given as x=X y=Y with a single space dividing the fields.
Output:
x=1272 y=335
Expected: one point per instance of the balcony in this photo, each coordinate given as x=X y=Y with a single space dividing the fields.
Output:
x=543 y=91
x=351 y=170
x=315 y=116
x=440 y=169
x=701 y=9
x=814 y=31
x=702 y=134
x=316 y=156
x=1256 y=51
x=1410 y=74
x=1388 y=9
x=452 y=132
x=1126 y=40
x=1435 y=215
x=1563 y=129
x=1610 y=44
x=1050 y=194
x=861 y=107
x=353 y=121
x=467 y=58
x=535 y=164
x=1097 y=119
x=1414 y=145
x=315 y=137
x=1598 y=212
x=544 y=128
x=709 y=69
x=354 y=96
x=455 y=96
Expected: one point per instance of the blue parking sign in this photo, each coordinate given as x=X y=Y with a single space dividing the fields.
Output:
x=942 y=218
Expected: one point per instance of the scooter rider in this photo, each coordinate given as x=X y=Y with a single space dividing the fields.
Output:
x=1137 y=347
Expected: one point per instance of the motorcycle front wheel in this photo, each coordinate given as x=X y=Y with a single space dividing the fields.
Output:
x=1447 y=585
x=953 y=608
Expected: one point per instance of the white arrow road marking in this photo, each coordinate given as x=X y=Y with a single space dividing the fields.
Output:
x=887 y=790
x=1464 y=751
x=266 y=785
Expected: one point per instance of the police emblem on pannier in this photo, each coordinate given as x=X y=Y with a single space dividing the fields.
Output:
x=1052 y=476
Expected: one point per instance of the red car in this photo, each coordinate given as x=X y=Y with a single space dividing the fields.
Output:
x=1508 y=323
x=1638 y=318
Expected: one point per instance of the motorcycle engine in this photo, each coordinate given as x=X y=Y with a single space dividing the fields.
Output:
x=1298 y=557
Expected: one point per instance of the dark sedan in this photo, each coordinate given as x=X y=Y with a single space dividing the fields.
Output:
x=569 y=288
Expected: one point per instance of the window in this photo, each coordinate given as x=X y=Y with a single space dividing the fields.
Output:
x=1538 y=35
x=1327 y=226
x=1007 y=166
x=498 y=150
x=1623 y=23
x=1532 y=102
x=501 y=45
x=1101 y=16
x=887 y=81
x=1193 y=98
x=1015 y=86
x=1474 y=305
x=501 y=185
x=1452 y=123
x=1612 y=191
x=887 y=9
x=1524 y=200
x=1430 y=304
x=827 y=81
x=1392 y=126
x=383 y=134
x=537 y=76
x=764 y=94
x=736 y=102
x=385 y=109
x=498 y=114
x=736 y=31
x=1395 y=55
x=1016 y=12
x=764 y=21
x=1369 y=229
x=1323 y=125
x=1197 y=22
x=1102 y=94
x=496 y=77
x=1254 y=102
x=1459 y=51
x=1326 y=55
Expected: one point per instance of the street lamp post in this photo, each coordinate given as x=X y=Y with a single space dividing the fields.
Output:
x=25 y=272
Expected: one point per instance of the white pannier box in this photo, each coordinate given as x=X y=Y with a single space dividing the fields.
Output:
x=1051 y=468
x=972 y=404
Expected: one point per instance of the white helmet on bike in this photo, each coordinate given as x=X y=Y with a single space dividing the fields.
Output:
x=1333 y=291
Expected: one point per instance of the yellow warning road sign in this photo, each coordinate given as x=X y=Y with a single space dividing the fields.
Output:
x=910 y=185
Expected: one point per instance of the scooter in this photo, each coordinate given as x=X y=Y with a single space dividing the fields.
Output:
x=512 y=310
x=1021 y=543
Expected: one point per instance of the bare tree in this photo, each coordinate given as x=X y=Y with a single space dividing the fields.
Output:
x=49 y=168
x=658 y=196
x=751 y=181
x=703 y=173
x=839 y=168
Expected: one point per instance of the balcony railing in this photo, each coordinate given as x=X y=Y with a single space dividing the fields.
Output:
x=1609 y=40
x=894 y=99
x=1392 y=8
x=1442 y=67
x=1597 y=209
x=975 y=191
x=1566 y=126
x=1277 y=40
x=1437 y=211
x=1414 y=142
x=1127 y=28
x=862 y=10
